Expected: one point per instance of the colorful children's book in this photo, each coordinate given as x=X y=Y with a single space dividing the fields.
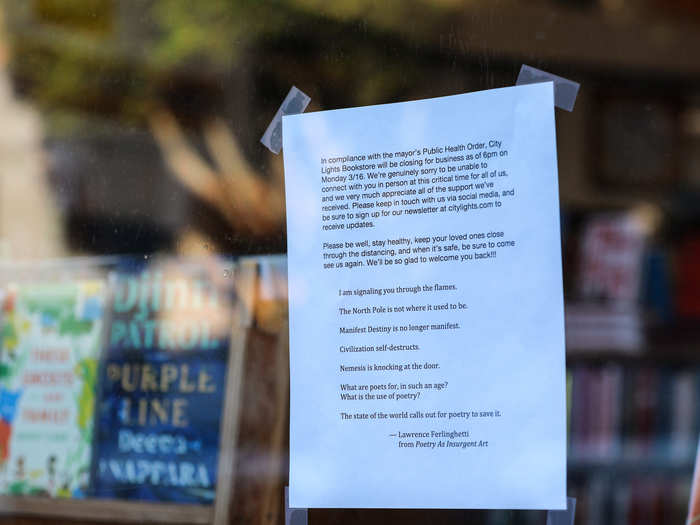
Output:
x=50 y=337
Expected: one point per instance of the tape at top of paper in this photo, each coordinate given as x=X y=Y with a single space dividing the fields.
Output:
x=295 y=102
x=565 y=90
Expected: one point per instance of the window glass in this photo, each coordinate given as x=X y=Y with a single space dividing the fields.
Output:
x=141 y=217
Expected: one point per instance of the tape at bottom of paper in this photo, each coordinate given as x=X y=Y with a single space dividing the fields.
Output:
x=294 y=516
x=563 y=517
x=295 y=102
x=565 y=90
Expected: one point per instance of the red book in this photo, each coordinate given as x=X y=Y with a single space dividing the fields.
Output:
x=688 y=275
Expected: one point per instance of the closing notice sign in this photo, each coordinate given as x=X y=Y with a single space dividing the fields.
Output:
x=426 y=306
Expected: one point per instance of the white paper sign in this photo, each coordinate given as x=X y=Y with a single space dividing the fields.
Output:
x=426 y=306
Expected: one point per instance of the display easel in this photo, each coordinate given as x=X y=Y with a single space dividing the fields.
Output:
x=272 y=505
x=217 y=513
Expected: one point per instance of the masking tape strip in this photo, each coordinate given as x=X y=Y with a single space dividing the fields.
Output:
x=294 y=516
x=565 y=90
x=295 y=102
x=563 y=517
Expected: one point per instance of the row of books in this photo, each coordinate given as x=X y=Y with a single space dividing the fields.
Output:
x=633 y=500
x=112 y=379
x=633 y=414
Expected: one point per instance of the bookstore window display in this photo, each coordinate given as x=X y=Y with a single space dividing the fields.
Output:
x=144 y=363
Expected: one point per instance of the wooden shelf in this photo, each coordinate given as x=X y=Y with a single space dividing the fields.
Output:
x=678 y=343
x=105 y=510
x=630 y=466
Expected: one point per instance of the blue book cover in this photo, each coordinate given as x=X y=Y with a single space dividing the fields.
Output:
x=162 y=383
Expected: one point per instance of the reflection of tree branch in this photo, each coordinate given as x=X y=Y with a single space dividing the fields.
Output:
x=184 y=162
x=245 y=190
x=235 y=190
